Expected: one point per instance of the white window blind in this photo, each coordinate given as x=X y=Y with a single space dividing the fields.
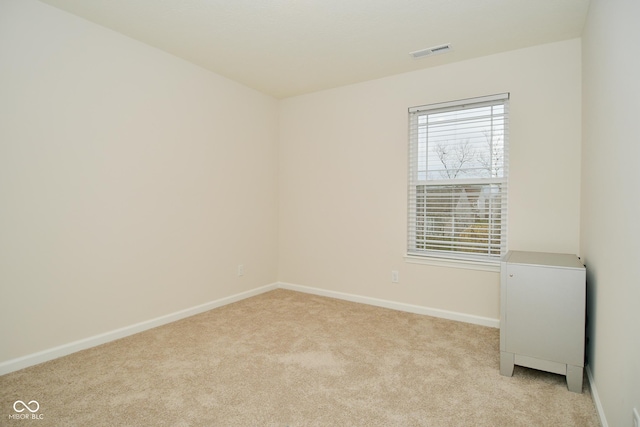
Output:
x=458 y=161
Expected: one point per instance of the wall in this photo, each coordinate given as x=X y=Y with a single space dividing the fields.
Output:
x=132 y=183
x=343 y=176
x=610 y=237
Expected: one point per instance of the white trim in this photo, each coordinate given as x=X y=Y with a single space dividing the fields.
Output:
x=85 y=343
x=460 y=102
x=410 y=308
x=596 y=397
x=455 y=181
x=455 y=263
x=66 y=349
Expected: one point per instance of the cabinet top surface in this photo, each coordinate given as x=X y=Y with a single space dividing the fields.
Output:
x=543 y=259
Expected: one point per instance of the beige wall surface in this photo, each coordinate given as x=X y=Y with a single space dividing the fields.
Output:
x=610 y=238
x=132 y=183
x=343 y=176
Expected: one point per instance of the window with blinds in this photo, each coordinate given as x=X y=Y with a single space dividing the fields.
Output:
x=458 y=179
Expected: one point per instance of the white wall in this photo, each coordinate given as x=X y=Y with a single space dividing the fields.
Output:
x=610 y=238
x=343 y=176
x=132 y=183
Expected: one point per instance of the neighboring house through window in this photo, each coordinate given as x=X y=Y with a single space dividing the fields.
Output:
x=458 y=179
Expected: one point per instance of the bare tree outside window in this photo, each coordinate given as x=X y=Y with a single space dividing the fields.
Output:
x=454 y=157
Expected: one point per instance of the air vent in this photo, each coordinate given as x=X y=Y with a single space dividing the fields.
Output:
x=431 y=51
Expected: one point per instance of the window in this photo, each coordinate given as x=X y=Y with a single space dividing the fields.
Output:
x=458 y=179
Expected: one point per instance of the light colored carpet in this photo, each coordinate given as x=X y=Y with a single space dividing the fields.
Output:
x=290 y=359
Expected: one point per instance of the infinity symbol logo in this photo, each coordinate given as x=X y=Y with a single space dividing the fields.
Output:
x=25 y=406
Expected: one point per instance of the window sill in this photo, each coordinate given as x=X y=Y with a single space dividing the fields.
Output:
x=454 y=263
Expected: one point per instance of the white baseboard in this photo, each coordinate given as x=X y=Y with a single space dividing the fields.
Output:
x=417 y=309
x=65 y=349
x=596 y=398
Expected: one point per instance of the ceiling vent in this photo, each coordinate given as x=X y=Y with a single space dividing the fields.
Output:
x=431 y=51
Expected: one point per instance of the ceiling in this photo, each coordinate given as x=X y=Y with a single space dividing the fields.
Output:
x=290 y=47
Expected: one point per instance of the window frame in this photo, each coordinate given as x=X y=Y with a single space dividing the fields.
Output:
x=455 y=255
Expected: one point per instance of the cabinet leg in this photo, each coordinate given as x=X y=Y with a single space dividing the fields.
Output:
x=574 y=378
x=506 y=363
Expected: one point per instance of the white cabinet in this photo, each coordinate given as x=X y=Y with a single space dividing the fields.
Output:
x=542 y=314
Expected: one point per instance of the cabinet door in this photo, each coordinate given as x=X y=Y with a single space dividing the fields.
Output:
x=545 y=313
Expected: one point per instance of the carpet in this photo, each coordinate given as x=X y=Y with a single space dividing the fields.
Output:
x=285 y=358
